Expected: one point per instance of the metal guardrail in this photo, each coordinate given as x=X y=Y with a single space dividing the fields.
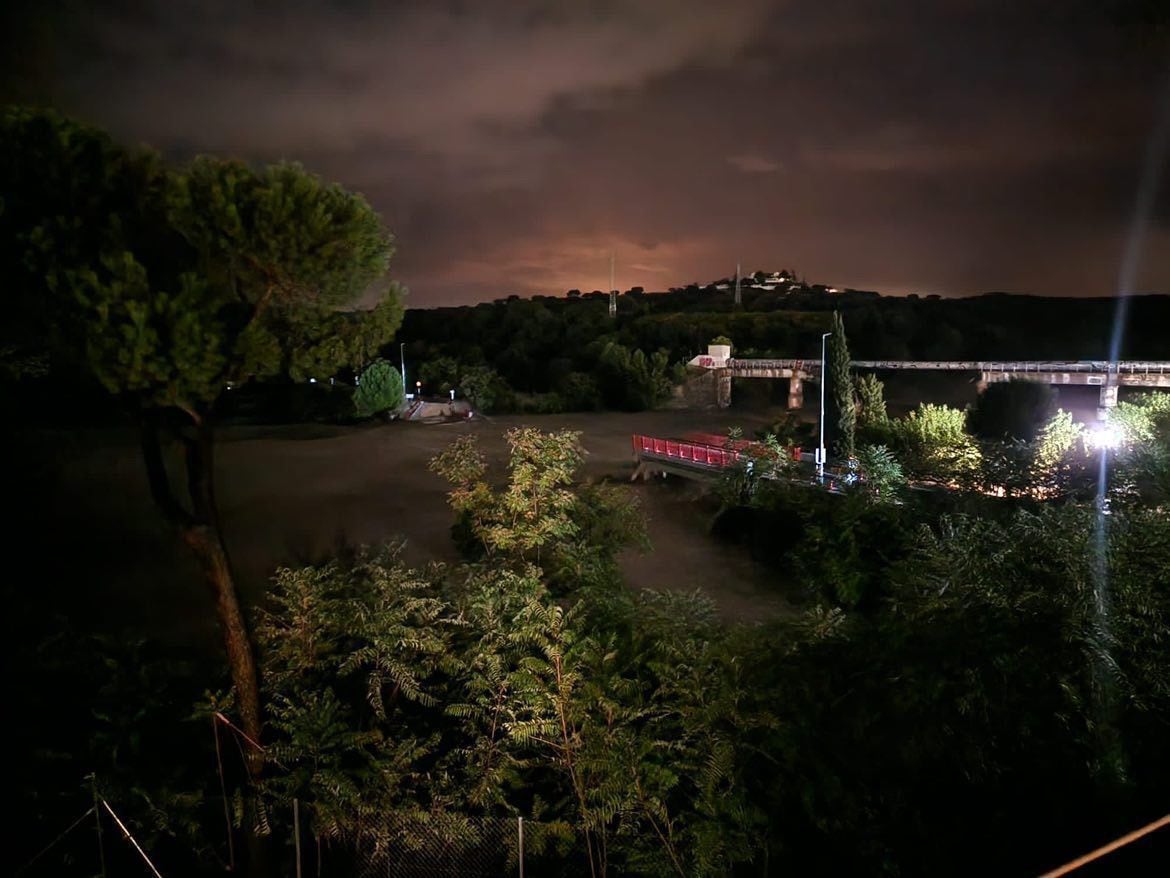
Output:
x=683 y=451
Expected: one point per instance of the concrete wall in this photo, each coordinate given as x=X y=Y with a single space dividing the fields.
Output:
x=699 y=391
x=425 y=411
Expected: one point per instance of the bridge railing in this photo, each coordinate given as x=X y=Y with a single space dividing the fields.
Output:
x=762 y=365
x=1091 y=366
x=683 y=451
x=1124 y=367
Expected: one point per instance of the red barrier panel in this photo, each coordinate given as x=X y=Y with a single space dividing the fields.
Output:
x=696 y=452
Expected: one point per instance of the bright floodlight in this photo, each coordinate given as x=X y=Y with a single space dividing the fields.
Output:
x=1104 y=436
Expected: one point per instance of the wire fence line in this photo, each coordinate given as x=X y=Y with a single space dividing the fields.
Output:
x=230 y=808
x=59 y=853
x=403 y=848
x=418 y=845
x=452 y=845
x=442 y=845
x=410 y=845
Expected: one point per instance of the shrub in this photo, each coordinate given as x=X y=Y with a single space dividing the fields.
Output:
x=579 y=392
x=871 y=402
x=1145 y=418
x=540 y=403
x=881 y=471
x=379 y=390
x=933 y=442
x=486 y=389
x=631 y=380
x=1012 y=410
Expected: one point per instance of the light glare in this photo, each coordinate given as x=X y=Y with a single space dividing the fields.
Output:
x=1105 y=436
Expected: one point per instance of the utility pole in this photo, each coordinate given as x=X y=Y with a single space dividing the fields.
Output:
x=612 y=290
x=738 y=297
x=402 y=361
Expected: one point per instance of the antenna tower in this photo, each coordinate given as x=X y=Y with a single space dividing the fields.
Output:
x=612 y=290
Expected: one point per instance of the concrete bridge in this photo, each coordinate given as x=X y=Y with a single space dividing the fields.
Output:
x=1105 y=374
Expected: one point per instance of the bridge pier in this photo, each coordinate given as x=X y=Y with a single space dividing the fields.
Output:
x=1107 y=401
x=723 y=389
x=795 y=392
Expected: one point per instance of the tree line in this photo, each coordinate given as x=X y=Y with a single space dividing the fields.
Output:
x=549 y=353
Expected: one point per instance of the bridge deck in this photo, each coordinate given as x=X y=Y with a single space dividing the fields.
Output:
x=1105 y=374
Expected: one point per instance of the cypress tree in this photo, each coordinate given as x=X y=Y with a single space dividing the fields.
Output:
x=841 y=384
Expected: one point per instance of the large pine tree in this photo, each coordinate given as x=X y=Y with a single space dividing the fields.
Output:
x=169 y=285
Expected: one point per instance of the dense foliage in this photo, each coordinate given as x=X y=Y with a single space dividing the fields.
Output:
x=963 y=653
x=1143 y=471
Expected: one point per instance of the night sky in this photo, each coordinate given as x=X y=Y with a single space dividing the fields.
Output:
x=942 y=146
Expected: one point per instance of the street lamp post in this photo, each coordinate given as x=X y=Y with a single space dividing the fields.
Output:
x=821 y=447
x=402 y=362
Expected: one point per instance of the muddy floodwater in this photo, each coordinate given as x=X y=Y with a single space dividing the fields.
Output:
x=291 y=495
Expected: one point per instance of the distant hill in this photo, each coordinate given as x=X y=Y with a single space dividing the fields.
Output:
x=549 y=345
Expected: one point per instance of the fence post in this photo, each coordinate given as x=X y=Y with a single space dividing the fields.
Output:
x=227 y=812
x=97 y=813
x=520 y=844
x=297 y=832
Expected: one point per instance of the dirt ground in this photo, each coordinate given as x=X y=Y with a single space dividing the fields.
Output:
x=291 y=495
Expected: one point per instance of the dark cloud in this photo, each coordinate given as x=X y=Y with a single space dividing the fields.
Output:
x=949 y=146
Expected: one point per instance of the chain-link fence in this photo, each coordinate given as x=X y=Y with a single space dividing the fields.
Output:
x=402 y=845
x=446 y=846
x=405 y=847
x=227 y=828
x=442 y=845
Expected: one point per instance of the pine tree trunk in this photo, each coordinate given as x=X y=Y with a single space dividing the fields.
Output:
x=206 y=541
x=207 y=544
x=199 y=528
